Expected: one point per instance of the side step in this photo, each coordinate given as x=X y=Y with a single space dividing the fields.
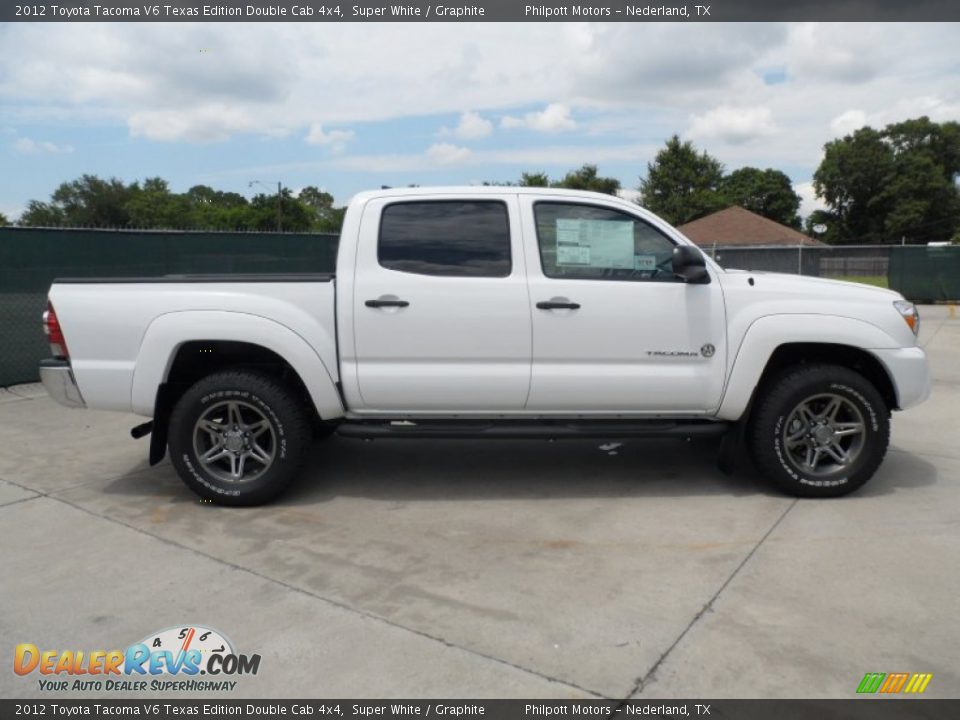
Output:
x=527 y=430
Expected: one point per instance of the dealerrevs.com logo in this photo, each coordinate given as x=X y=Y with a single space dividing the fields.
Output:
x=169 y=660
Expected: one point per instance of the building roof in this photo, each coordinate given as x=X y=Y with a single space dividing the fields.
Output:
x=738 y=226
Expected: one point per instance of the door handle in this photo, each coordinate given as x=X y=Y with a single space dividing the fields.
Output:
x=557 y=305
x=386 y=303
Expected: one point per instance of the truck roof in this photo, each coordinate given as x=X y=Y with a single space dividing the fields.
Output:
x=459 y=190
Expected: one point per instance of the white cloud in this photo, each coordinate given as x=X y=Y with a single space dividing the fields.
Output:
x=472 y=126
x=207 y=123
x=846 y=122
x=27 y=146
x=555 y=117
x=632 y=86
x=808 y=198
x=447 y=154
x=733 y=125
x=336 y=139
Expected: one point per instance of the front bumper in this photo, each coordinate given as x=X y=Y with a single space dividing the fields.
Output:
x=60 y=384
x=910 y=373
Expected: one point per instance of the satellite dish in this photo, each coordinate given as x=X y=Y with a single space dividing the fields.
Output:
x=819 y=228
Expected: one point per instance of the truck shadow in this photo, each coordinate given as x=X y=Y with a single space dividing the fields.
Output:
x=451 y=470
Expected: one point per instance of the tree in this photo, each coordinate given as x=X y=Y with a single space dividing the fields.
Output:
x=3 y=220
x=681 y=184
x=537 y=179
x=851 y=180
x=892 y=185
x=293 y=216
x=585 y=178
x=324 y=217
x=154 y=206
x=766 y=192
x=218 y=210
x=88 y=201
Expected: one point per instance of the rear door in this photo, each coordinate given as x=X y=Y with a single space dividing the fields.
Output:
x=441 y=310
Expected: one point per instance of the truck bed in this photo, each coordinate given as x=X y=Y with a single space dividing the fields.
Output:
x=120 y=331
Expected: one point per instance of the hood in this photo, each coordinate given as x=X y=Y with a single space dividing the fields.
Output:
x=816 y=286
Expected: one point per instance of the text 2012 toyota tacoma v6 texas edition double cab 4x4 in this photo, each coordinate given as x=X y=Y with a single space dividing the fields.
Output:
x=492 y=312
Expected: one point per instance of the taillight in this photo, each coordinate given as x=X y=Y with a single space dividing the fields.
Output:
x=51 y=328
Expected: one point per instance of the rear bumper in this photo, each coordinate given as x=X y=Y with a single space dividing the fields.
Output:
x=58 y=381
x=910 y=373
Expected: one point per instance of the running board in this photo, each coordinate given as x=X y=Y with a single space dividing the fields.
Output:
x=527 y=430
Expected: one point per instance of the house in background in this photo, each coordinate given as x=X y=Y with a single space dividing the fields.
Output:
x=738 y=227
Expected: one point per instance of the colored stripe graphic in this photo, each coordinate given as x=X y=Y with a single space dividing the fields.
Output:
x=871 y=682
x=893 y=683
x=918 y=683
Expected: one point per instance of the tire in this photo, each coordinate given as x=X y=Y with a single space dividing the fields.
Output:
x=819 y=431
x=239 y=438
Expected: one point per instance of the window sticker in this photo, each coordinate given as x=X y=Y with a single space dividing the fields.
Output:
x=645 y=262
x=570 y=254
x=598 y=243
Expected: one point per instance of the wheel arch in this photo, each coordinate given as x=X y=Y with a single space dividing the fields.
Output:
x=765 y=352
x=180 y=348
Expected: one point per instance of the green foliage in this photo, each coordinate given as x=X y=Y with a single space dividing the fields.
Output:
x=88 y=201
x=154 y=206
x=584 y=178
x=766 y=192
x=4 y=220
x=894 y=184
x=92 y=202
x=682 y=184
x=292 y=215
x=323 y=216
x=537 y=179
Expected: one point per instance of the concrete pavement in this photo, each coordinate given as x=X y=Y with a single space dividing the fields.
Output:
x=490 y=569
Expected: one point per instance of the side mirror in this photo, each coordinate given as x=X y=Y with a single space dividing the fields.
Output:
x=690 y=265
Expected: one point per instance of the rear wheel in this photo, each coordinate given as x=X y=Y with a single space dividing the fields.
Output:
x=819 y=431
x=239 y=438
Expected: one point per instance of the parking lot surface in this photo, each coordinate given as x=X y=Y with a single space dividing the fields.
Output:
x=494 y=568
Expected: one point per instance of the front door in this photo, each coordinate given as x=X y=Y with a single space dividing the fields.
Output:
x=614 y=332
x=441 y=311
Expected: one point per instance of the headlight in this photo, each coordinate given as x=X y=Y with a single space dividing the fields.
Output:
x=909 y=313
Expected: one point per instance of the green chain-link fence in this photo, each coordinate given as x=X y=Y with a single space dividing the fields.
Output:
x=30 y=259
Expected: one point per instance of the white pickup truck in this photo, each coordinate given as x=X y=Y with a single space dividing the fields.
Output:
x=492 y=312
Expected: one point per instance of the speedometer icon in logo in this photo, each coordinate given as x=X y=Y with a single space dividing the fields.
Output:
x=182 y=639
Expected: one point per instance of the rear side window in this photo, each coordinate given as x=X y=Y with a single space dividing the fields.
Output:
x=451 y=238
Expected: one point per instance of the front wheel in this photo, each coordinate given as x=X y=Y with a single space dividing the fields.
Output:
x=238 y=437
x=819 y=431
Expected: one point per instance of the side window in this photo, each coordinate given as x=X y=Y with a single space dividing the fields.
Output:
x=587 y=242
x=450 y=238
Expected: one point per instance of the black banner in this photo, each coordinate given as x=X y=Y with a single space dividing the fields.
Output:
x=868 y=709
x=480 y=11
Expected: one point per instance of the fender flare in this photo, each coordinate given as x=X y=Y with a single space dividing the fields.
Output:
x=766 y=334
x=167 y=333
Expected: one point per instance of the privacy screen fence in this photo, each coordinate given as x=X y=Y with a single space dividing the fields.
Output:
x=30 y=259
x=923 y=274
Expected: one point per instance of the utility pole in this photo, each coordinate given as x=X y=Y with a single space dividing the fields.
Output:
x=279 y=207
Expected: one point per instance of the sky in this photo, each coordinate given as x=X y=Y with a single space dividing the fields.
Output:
x=348 y=107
